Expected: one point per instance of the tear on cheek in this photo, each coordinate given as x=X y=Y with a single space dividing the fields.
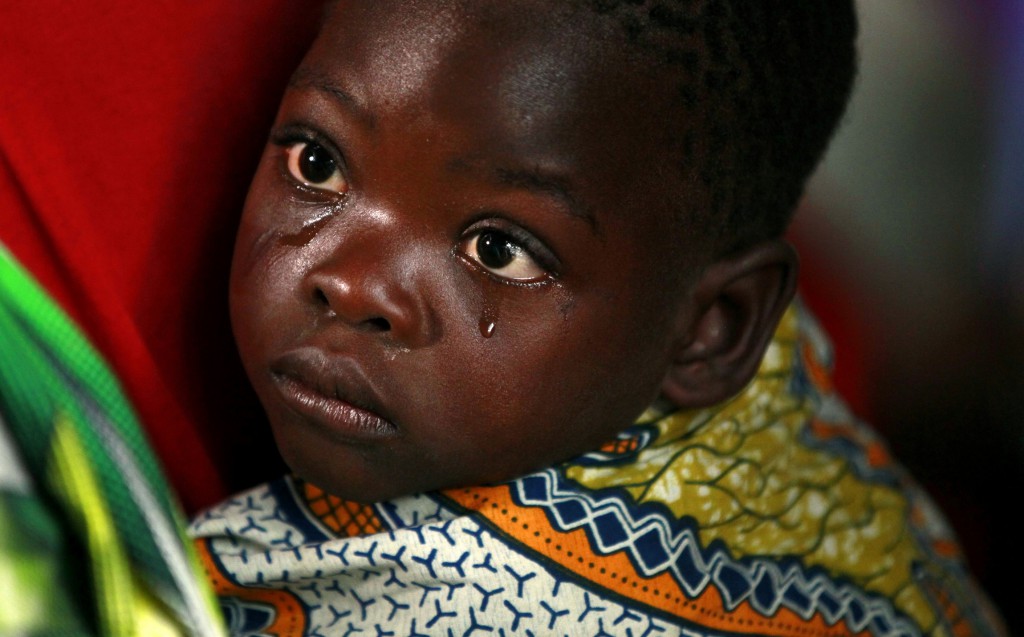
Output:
x=487 y=323
x=306 y=232
x=251 y=248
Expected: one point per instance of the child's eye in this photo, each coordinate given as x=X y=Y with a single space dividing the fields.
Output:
x=312 y=165
x=502 y=255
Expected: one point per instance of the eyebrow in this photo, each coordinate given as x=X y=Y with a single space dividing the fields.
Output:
x=308 y=79
x=537 y=180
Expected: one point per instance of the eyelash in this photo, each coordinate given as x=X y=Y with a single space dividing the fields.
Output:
x=524 y=240
x=291 y=136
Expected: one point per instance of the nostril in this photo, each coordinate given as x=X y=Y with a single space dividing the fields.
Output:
x=380 y=323
x=320 y=297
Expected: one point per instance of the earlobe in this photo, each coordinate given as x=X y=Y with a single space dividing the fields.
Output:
x=736 y=305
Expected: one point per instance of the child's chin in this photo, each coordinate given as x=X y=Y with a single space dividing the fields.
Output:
x=349 y=489
x=349 y=479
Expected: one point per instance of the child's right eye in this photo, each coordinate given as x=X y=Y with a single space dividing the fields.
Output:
x=313 y=166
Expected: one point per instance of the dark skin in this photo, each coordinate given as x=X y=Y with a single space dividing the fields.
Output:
x=462 y=259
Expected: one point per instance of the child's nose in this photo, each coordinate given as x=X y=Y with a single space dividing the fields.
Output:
x=366 y=286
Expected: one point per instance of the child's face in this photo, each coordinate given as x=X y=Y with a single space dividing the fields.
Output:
x=458 y=260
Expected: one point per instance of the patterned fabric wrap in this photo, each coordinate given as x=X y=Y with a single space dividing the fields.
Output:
x=776 y=513
x=91 y=541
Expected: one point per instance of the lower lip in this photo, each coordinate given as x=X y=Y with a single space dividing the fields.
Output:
x=341 y=419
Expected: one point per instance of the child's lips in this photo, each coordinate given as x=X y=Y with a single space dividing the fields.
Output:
x=333 y=393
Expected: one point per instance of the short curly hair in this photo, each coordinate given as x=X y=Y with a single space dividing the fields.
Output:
x=764 y=86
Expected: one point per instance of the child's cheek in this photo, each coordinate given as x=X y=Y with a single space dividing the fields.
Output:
x=272 y=216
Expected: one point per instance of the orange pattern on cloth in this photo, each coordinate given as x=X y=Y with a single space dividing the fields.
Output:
x=347 y=519
x=286 y=612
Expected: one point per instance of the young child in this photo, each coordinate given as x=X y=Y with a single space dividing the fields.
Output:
x=506 y=284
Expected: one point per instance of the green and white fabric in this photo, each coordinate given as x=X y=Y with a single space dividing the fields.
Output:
x=91 y=539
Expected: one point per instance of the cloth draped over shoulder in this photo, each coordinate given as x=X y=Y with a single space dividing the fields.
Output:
x=91 y=540
x=775 y=513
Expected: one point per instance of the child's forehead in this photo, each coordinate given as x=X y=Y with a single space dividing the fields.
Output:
x=437 y=17
x=555 y=90
x=508 y=45
x=531 y=62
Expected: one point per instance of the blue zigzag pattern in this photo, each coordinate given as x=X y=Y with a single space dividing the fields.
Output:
x=656 y=542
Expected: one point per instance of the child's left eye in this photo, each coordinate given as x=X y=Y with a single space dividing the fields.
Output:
x=312 y=165
x=501 y=255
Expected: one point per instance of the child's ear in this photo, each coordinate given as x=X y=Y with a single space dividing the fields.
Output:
x=737 y=303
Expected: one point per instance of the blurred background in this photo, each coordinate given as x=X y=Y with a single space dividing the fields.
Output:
x=912 y=238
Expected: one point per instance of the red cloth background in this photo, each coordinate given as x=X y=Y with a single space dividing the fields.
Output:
x=128 y=134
